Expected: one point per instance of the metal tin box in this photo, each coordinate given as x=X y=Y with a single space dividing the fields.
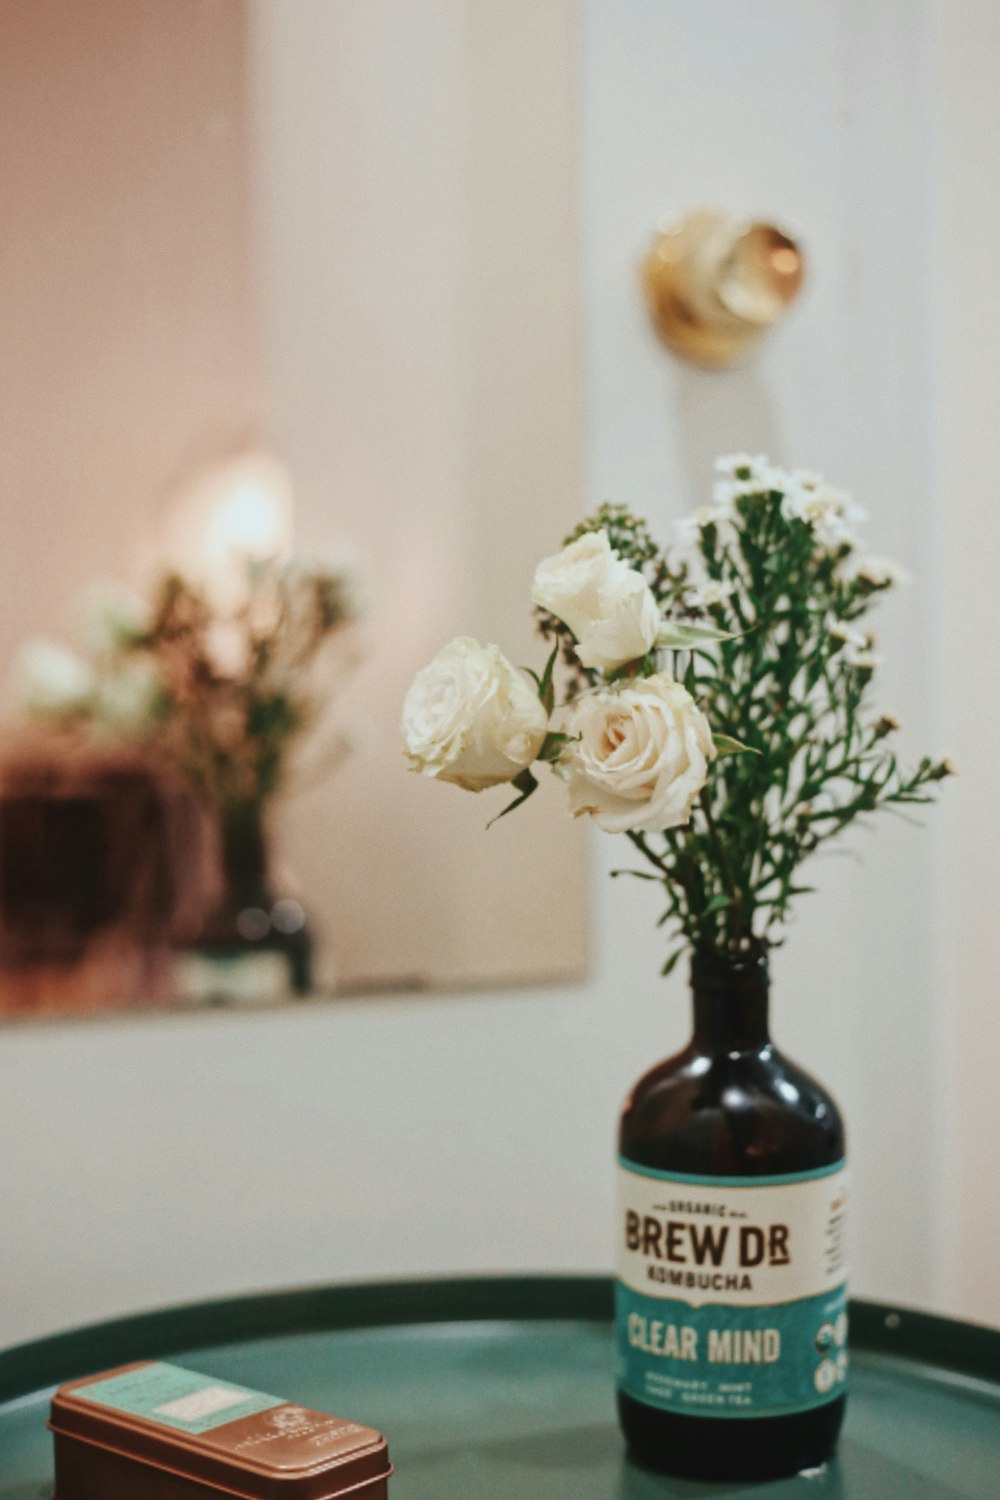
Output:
x=154 y=1431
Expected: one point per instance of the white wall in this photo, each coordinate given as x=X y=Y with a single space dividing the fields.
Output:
x=814 y=115
x=125 y=338
x=151 y=1161
x=964 y=48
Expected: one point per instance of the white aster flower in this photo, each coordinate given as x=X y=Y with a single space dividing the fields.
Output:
x=688 y=529
x=710 y=592
x=742 y=465
x=880 y=572
x=754 y=478
x=855 y=648
x=846 y=635
x=863 y=660
x=830 y=513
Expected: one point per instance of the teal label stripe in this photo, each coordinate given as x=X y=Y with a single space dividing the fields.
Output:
x=177 y=1398
x=714 y=1360
x=695 y=1179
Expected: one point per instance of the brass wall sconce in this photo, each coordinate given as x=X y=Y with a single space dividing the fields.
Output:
x=715 y=284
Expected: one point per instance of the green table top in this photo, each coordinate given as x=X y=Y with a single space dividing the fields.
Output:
x=502 y=1390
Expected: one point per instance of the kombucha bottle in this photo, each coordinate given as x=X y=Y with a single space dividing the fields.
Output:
x=731 y=1300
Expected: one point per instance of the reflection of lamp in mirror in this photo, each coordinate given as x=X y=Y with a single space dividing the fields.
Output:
x=233 y=512
x=715 y=284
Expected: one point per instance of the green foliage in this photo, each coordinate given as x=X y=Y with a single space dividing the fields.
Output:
x=526 y=785
x=765 y=597
x=233 y=715
x=226 y=693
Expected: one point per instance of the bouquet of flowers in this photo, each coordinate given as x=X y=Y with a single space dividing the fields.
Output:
x=220 y=696
x=717 y=698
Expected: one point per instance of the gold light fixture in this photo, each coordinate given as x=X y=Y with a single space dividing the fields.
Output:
x=715 y=284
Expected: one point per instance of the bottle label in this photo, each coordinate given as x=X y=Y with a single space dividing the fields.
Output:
x=732 y=1291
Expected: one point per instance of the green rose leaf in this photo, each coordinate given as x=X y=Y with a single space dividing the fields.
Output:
x=526 y=784
x=554 y=744
x=675 y=635
x=726 y=745
x=544 y=684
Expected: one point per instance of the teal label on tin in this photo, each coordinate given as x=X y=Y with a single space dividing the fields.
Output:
x=732 y=1292
x=177 y=1398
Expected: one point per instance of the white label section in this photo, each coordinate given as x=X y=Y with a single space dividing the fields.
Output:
x=736 y=1246
x=202 y=1403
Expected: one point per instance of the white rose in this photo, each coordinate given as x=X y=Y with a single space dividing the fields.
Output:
x=641 y=758
x=472 y=718
x=607 y=605
x=51 y=681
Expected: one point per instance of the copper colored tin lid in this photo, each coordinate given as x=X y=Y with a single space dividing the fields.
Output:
x=268 y=1449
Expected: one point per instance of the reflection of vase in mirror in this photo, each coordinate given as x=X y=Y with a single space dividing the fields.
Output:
x=255 y=947
x=102 y=870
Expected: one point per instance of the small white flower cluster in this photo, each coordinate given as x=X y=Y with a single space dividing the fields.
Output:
x=831 y=513
x=688 y=529
x=855 y=649
x=744 y=477
x=878 y=572
x=710 y=593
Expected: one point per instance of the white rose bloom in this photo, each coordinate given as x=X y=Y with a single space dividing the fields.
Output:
x=641 y=758
x=607 y=605
x=50 y=681
x=472 y=718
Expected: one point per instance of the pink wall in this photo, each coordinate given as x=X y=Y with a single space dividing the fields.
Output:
x=125 y=341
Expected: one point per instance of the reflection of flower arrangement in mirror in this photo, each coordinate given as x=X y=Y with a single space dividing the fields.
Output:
x=223 y=696
x=717 y=705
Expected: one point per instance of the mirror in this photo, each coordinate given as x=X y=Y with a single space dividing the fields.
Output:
x=287 y=296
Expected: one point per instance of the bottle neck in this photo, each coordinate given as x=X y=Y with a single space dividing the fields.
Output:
x=730 y=1003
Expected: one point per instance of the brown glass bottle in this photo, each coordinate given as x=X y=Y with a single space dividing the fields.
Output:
x=730 y=1108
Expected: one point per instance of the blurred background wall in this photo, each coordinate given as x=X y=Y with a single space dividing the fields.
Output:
x=147 y=1161
x=414 y=184
x=126 y=306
